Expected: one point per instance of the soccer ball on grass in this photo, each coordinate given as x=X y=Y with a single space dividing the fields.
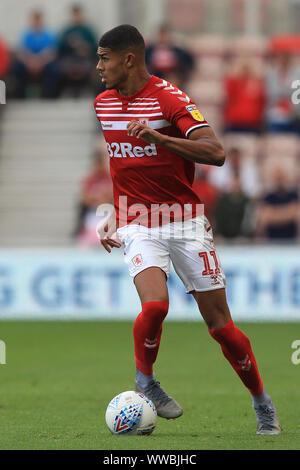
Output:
x=131 y=413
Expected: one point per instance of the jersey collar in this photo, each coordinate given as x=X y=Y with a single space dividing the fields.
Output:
x=142 y=90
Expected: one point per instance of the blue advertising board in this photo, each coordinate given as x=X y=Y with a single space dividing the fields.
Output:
x=263 y=283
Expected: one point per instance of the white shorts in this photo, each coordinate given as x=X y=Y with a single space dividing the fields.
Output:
x=189 y=245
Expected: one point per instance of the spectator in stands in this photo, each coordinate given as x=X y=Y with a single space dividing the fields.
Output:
x=35 y=61
x=232 y=210
x=5 y=58
x=244 y=100
x=167 y=60
x=282 y=115
x=96 y=189
x=278 y=211
x=237 y=164
x=77 y=54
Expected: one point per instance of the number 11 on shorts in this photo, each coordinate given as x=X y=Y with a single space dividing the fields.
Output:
x=207 y=269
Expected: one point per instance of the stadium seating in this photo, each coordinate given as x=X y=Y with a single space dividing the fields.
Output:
x=206 y=92
x=254 y=46
x=210 y=67
x=249 y=144
x=45 y=150
x=208 y=45
x=280 y=151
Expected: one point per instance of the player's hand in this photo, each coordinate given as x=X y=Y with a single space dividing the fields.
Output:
x=106 y=228
x=139 y=130
x=110 y=242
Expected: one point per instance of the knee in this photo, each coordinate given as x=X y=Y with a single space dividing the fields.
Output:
x=217 y=319
x=152 y=315
x=157 y=310
x=213 y=308
x=229 y=334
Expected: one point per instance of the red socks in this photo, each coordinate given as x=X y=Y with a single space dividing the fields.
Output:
x=234 y=343
x=147 y=331
x=237 y=349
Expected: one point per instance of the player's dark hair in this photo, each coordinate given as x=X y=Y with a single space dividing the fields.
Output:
x=122 y=38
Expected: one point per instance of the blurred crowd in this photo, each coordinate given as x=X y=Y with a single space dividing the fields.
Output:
x=239 y=202
x=48 y=64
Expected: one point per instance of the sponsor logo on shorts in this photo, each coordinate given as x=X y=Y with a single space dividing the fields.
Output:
x=137 y=260
x=215 y=280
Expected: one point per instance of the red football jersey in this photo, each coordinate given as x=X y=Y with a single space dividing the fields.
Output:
x=146 y=176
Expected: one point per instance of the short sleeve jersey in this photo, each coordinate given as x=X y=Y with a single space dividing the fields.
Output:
x=143 y=174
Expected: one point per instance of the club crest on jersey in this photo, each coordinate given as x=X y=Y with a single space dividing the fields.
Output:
x=137 y=260
x=144 y=121
x=192 y=108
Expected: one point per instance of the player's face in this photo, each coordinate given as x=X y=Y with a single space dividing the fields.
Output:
x=111 y=67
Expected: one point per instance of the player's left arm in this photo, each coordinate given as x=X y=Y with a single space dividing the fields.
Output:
x=201 y=146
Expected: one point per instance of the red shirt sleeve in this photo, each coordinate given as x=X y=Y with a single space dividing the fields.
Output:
x=180 y=110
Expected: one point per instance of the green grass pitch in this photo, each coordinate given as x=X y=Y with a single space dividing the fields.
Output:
x=60 y=376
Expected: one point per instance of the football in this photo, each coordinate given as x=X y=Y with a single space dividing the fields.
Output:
x=131 y=413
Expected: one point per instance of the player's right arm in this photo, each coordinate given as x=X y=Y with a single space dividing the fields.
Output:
x=201 y=146
x=198 y=143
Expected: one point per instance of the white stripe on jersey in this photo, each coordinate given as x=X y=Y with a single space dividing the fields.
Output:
x=168 y=86
x=139 y=109
x=179 y=92
x=163 y=83
x=142 y=115
x=116 y=103
x=122 y=125
x=108 y=99
x=186 y=99
x=109 y=109
x=143 y=104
